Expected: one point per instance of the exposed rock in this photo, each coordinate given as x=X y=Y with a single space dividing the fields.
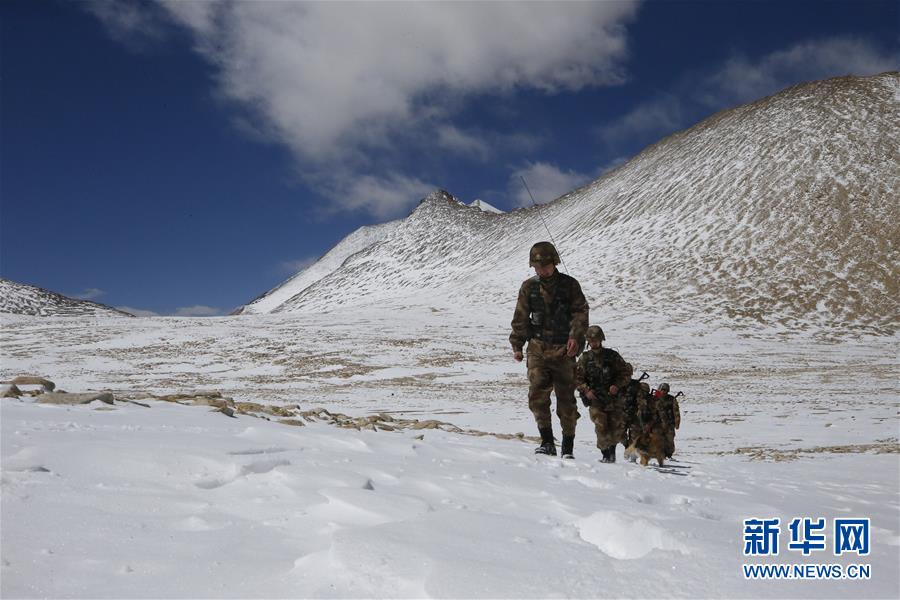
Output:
x=62 y=398
x=9 y=390
x=214 y=399
x=48 y=385
x=227 y=411
x=290 y=414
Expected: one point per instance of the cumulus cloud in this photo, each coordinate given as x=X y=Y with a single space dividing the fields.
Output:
x=546 y=182
x=348 y=83
x=198 y=311
x=89 y=294
x=740 y=79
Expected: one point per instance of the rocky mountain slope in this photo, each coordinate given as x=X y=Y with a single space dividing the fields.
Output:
x=782 y=212
x=22 y=299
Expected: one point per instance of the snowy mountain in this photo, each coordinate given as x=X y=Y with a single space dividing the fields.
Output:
x=362 y=238
x=22 y=299
x=780 y=212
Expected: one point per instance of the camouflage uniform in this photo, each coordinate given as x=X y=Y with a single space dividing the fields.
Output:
x=597 y=370
x=630 y=402
x=559 y=305
x=651 y=436
x=669 y=417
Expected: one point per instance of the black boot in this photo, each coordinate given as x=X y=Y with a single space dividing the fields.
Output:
x=547 y=446
x=606 y=458
x=611 y=457
x=568 y=446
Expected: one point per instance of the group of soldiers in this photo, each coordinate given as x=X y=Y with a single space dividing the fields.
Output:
x=551 y=316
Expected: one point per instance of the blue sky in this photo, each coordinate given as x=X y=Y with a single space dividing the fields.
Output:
x=184 y=157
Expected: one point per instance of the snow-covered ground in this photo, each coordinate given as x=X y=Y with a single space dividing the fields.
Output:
x=180 y=501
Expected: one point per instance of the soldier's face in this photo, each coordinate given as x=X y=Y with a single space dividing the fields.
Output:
x=545 y=270
x=595 y=343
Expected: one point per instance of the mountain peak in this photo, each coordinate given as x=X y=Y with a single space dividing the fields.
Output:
x=439 y=196
x=484 y=206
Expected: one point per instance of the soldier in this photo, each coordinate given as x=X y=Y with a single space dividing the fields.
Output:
x=630 y=400
x=669 y=416
x=551 y=315
x=642 y=420
x=599 y=376
x=650 y=439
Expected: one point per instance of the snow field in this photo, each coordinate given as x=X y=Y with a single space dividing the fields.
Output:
x=176 y=501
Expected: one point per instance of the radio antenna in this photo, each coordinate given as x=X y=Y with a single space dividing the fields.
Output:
x=544 y=222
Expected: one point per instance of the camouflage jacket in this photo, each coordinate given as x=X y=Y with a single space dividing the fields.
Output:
x=599 y=369
x=522 y=327
x=669 y=411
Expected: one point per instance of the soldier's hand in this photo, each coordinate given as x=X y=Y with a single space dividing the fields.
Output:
x=571 y=347
x=518 y=355
x=591 y=395
x=613 y=390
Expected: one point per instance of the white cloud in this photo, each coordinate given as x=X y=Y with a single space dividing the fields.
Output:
x=198 y=311
x=326 y=74
x=138 y=312
x=383 y=196
x=343 y=83
x=741 y=80
x=134 y=24
x=461 y=142
x=89 y=294
x=546 y=182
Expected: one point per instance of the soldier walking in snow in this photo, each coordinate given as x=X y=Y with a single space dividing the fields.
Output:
x=669 y=416
x=630 y=395
x=650 y=441
x=551 y=316
x=600 y=376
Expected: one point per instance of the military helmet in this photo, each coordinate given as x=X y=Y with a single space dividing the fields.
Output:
x=594 y=332
x=664 y=387
x=543 y=253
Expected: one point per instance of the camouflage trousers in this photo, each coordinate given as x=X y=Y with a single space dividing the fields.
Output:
x=551 y=370
x=609 y=422
x=632 y=426
x=669 y=441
